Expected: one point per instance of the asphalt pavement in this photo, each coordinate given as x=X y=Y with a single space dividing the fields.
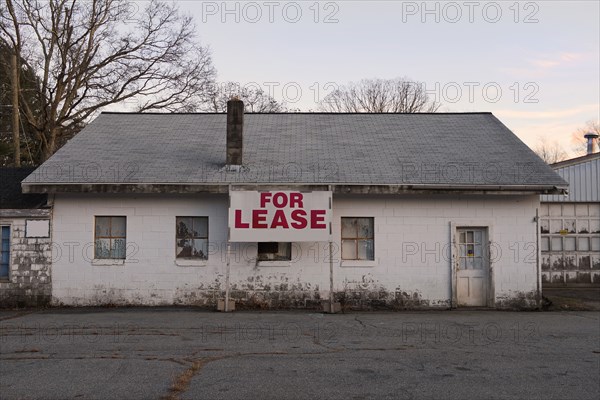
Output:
x=183 y=353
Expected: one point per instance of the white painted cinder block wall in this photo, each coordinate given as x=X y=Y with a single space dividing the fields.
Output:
x=411 y=250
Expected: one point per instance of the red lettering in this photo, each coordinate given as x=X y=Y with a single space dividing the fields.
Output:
x=259 y=216
x=279 y=200
x=296 y=200
x=279 y=220
x=317 y=216
x=299 y=219
x=238 y=220
x=265 y=197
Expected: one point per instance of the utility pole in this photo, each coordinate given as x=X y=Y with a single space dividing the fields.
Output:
x=15 y=109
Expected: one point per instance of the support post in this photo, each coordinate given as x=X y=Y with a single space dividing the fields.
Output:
x=331 y=296
x=228 y=267
x=538 y=266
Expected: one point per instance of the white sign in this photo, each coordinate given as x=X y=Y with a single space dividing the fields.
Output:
x=35 y=228
x=280 y=216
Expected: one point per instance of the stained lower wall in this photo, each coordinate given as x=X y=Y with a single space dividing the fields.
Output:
x=412 y=267
x=29 y=283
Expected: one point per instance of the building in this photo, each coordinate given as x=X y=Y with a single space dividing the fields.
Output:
x=570 y=224
x=26 y=251
x=287 y=210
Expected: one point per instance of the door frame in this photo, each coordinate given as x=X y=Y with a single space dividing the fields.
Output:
x=485 y=224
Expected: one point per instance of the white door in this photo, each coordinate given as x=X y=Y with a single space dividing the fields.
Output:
x=472 y=270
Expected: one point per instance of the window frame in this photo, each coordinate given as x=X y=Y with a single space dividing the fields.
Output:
x=276 y=257
x=177 y=238
x=9 y=251
x=357 y=239
x=111 y=237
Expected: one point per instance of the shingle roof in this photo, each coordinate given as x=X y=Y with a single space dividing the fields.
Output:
x=446 y=149
x=11 y=196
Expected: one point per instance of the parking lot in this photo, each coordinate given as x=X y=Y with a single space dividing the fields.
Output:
x=171 y=353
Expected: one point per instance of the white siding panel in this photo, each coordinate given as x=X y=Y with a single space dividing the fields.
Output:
x=584 y=183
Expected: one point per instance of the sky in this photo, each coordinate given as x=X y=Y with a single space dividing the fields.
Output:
x=534 y=64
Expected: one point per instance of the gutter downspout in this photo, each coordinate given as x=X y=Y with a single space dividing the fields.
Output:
x=331 y=294
x=228 y=267
x=537 y=260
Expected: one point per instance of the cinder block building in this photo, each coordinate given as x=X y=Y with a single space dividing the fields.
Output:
x=288 y=210
x=26 y=247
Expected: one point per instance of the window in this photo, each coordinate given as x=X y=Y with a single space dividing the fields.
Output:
x=358 y=241
x=274 y=251
x=192 y=238
x=471 y=249
x=110 y=238
x=5 y=258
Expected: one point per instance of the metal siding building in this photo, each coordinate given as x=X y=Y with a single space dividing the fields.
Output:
x=570 y=226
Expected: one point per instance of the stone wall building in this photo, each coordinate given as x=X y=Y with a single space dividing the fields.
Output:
x=26 y=252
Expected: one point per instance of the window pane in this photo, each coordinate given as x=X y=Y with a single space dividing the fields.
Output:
x=200 y=249
x=470 y=250
x=583 y=244
x=555 y=226
x=184 y=227
x=201 y=227
x=118 y=248
x=5 y=232
x=478 y=237
x=349 y=228
x=349 y=249
x=477 y=263
x=583 y=226
x=462 y=250
x=594 y=225
x=365 y=228
x=118 y=227
x=102 y=226
x=285 y=251
x=462 y=237
x=274 y=251
x=5 y=245
x=4 y=270
x=556 y=244
x=365 y=250
x=544 y=226
x=102 y=249
x=569 y=243
x=545 y=244
x=569 y=224
x=468 y=263
x=469 y=236
x=5 y=257
x=596 y=244
x=184 y=248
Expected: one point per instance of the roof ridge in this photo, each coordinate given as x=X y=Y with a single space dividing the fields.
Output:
x=298 y=113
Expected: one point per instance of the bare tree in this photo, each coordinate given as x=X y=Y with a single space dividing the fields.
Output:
x=551 y=153
x=254 y=98
x=89 y=54
x=398 y=95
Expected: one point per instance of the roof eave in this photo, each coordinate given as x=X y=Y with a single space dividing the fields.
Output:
x=339 y=188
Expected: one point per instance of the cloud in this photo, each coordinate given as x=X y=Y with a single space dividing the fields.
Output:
x=555 y=60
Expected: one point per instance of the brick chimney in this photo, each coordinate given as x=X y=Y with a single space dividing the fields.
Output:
x=592 y=142
x=235 y=127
